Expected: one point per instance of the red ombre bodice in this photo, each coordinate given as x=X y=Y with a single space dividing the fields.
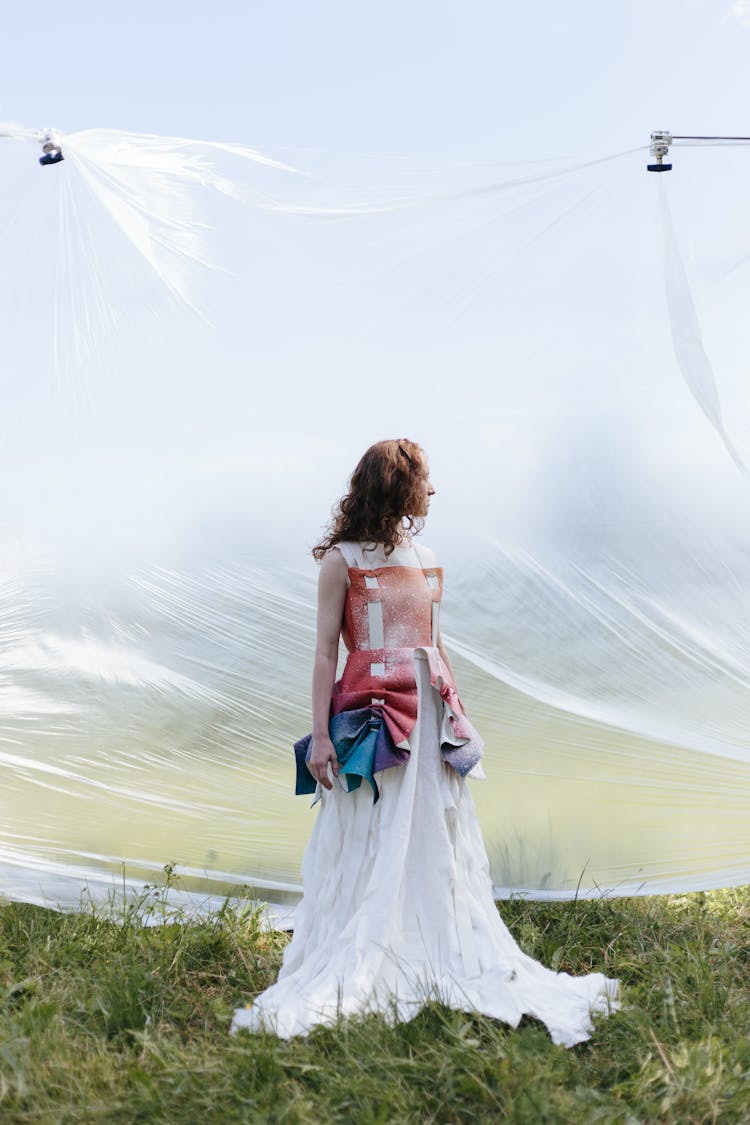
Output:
x=391 y=612
x=392 y=607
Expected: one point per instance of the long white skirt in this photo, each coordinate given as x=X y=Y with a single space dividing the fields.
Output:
x=398 y=909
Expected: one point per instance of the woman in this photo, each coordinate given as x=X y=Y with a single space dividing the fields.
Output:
x=398 y=905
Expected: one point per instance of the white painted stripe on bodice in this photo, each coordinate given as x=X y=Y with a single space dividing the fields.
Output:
x=375 y=623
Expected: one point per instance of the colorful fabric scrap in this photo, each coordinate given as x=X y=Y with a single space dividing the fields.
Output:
x=363 y=747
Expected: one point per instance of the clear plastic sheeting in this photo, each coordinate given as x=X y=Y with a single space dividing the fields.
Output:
x=567 y=339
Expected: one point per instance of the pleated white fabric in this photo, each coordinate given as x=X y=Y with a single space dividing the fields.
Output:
x=398 y=909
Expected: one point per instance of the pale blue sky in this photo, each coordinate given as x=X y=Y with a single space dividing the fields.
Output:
x=475 y=82
x=471 y=80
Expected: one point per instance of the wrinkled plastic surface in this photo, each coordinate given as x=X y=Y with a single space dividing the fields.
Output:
x=199 y=342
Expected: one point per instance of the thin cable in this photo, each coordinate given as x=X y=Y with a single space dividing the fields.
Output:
x=676 y=137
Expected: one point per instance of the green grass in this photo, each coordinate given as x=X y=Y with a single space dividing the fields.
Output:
x=119 y=1022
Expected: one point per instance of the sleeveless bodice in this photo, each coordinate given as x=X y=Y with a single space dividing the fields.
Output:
x=391 y=618
x=392 y=607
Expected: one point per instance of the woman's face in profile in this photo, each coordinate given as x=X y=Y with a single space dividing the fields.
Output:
x=425 y=492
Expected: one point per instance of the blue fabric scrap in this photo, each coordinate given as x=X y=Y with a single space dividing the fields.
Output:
x=362 y=742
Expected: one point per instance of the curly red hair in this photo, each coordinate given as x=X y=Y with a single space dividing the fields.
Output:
x=384 y=492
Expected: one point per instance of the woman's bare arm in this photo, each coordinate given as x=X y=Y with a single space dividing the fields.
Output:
x=444 y=655
x=331 y=598
x=447 y=663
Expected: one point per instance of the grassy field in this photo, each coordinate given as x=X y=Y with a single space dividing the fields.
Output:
x=123 y=1022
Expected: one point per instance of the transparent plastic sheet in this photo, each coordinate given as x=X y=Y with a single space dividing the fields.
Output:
x=567 y=341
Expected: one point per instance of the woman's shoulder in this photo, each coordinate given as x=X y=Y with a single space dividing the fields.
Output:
x=366 y=555
x=362 y=555
x=350 y=552
x=425 y=554
x=334 y=561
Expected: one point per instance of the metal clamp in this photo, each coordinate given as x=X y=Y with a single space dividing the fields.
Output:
x=660 y=142
x=51 y=147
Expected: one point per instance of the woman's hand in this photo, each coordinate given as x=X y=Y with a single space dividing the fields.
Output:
x=323 y=751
